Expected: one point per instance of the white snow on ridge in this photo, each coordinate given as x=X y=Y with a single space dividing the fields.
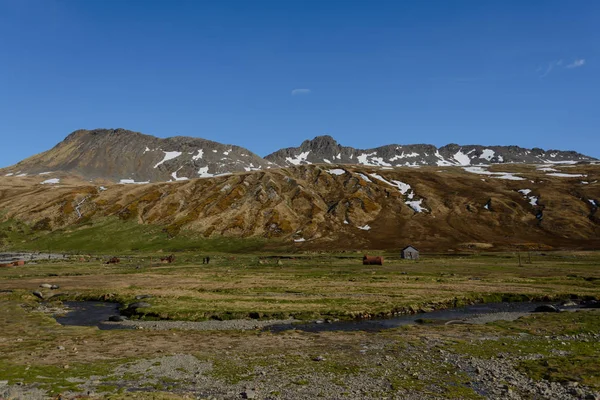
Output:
x=366 y=178
x=203 y=173
x=416 y=205
x=533 y=200
x=9 y=174
x=567 y=175
x=300 y=240
x=327 y=161
x=499 y=175
x=407 y=155
x=44 y=173
x=51 y=181
x=199 y=155
x=174 y=175
x=131 y=181
x=337 y=171
x=169 y=155
x=593 y=202
x=487 y=154
x=442 y=161
x=365 y=228
x=299 y=158
x=362 y=159
x=462 y=158
x=402 y=187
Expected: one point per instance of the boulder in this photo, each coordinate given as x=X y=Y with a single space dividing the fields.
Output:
x=546 y=308
x=133 y=307
x=117 y=318
x=46 y=286
x=38 y=294
x=143 y=296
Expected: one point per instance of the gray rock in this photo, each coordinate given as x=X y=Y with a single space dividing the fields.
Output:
x=54 y=287
x=117 y=318
x=139 y=304
x=249 y=394
x=546 y=308
x=38 y=294
x=143 y=296
x=46 y=286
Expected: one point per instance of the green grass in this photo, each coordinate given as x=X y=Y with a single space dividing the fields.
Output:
x=112 y=235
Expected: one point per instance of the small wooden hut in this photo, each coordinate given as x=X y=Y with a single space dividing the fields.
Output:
x=409 y=253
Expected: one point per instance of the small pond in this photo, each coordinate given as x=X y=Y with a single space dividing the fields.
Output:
x=90 y=313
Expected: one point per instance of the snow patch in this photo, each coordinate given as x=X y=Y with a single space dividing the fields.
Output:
x=199 y=155
x=174 y=175
x=9 y=174
x=300 y=240
x=365 y=228
x=366 y=178
x=593 y=202
x=51 y=181
x=562 y=175
x=44 y=173
x=402 y=187
x=487 y=154
x=327 y=161
x=462 y=158
x=131 y=181
x=203 y=173
x=416 y=205
x=499 y=175
x=337 y=171
x=299 y=159
x=169 y=155
x=408 y=155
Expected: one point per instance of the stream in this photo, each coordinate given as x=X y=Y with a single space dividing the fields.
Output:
x=96 y=313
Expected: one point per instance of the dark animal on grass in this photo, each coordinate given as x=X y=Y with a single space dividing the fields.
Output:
x=168 y=259
x=372 y=260
x=113 y=260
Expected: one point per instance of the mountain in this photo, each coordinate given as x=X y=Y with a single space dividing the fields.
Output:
x=120 y=155
x=318 y=207
x=324 y=149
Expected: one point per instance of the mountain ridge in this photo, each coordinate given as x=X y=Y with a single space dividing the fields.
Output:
x=125 y=156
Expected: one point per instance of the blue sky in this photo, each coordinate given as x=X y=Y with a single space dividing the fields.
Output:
x=270 y=74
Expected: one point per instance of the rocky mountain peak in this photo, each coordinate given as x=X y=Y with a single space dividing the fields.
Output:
x=126 y=156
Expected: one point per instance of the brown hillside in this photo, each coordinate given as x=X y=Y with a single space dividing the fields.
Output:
x=334 y=207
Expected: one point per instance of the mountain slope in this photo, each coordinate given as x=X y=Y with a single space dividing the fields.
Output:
x=316 y=207
x=118 y=154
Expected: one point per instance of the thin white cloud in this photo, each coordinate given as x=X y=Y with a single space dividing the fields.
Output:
x=577 y=63
x=551 y=65
x=297 y=92
x=559 y=64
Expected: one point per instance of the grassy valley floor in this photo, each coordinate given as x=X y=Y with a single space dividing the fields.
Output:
x=537 y=356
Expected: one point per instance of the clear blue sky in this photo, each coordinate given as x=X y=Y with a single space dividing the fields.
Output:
x=269 y=74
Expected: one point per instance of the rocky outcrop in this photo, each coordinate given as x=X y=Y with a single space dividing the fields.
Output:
x=324 y=149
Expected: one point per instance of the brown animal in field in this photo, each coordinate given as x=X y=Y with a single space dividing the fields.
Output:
x=113 y=260
x=168 y=259
x=372 y=260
